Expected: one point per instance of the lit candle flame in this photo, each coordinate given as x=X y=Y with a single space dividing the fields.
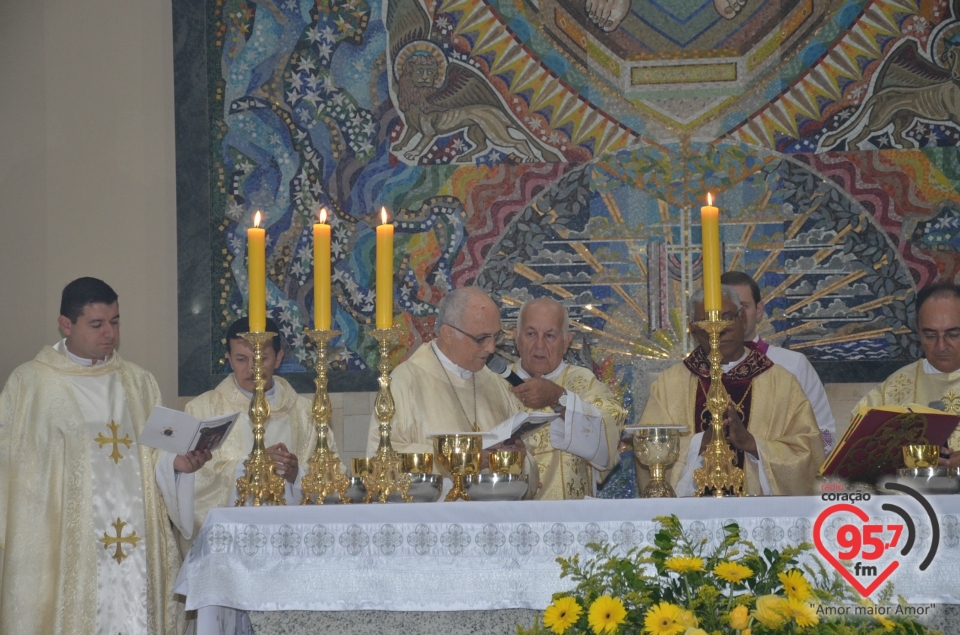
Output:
x=709 y=199
x=256 y=219
x=383 y=215
x=323 y=215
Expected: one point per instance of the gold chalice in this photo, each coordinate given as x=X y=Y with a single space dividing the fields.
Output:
x=506 y=462
x=457 y=456
x=919 y=456
x=360 y=467
x=656 y=448
x=416 y=462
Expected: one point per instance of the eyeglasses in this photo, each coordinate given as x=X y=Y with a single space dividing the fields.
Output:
x=952 y=336
x=483 y=340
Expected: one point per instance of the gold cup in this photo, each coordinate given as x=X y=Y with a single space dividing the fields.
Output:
x=457 y=456
x=360 y=467
x=417 y=462
x=919 y=456
x=506 y=462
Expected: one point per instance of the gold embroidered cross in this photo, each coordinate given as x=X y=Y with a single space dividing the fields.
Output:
x=120 y=540
x=115 y=440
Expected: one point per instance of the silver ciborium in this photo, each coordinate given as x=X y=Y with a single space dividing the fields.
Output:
x=657 y=448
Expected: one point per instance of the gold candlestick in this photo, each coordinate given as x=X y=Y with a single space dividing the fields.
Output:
x=386 y=474
x=324 y=477
x=719 y=475
x=260 y=482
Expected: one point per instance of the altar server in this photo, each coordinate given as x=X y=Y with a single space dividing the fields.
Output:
x=934 y=380
x=85 y=544
x=769 y=421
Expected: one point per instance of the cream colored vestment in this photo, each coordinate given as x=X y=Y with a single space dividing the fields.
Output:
x=564 y=475
x=781 y=420
x=919 y=383
x=50 y=539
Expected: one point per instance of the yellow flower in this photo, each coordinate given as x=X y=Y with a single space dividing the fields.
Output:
x=687 y=619
x=767 y=611
x=803 y=612
x=562 y=614
x=888 y=625
x=684 y=564
x=606 y=614
x=695 y=631
x=746 y=631
x=795 y=585
x=732 y=572
x=739 y=618
x=663 y=619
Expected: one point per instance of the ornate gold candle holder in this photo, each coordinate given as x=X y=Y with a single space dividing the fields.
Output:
x=260 y=481
x=324 y=477
x=719 y=475
x=386 y=474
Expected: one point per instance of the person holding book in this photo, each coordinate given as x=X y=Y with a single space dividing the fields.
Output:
x=933 y=381
x=289 y=434
x=85 y=544
x=769 y=421
x=796 y=363
x=577 y=451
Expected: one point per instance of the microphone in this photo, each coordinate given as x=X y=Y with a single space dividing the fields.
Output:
x=499 y=366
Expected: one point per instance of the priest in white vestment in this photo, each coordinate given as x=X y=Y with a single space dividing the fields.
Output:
x=85 y=543
x=797 y=363
x=289 y=435
x=934 y=380
x=769 y=422
x=577 y=451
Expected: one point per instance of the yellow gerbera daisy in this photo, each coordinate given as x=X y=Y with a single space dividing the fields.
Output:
x=803 y=612
x=695 y=631
x=732 y=572
x=606 y=614
x=768 y=612
x=562 y=614
x=663 y=619
x=739 y=618
x=684 y=564
x=795 y=585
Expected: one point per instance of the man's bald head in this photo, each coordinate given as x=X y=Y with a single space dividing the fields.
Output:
x=468 y=327
x=547 y=306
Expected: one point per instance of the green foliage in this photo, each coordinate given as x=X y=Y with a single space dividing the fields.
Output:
x=680 y=577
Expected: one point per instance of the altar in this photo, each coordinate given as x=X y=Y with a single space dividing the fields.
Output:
x=481 y=557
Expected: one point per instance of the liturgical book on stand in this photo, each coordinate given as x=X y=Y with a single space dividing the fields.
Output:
x=871 y=446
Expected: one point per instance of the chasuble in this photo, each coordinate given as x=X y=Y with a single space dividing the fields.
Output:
x=430 y=399
x=564 y=475
x=773 y=408
x=919 y=383
x=290 y=423
x=85 y=542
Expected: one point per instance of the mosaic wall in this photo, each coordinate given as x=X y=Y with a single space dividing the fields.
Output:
x=563 y=148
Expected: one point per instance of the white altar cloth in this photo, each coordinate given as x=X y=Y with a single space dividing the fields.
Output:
x=479 y=556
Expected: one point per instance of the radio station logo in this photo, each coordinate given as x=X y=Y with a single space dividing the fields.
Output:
x=866 y=552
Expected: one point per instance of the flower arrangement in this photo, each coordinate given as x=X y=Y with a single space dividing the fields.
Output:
x=675 y=588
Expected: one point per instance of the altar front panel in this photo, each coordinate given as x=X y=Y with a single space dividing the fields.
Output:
x=481 y=556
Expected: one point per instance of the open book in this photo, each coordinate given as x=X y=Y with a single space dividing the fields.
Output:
x=520 y=425
x=870 y=448
x=178 y=433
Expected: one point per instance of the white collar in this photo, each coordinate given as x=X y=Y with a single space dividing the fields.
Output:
x=930 y=370
x=61 y=347
x=249 y=395
x=551 y=375
x=462 y=373
x=731 y=365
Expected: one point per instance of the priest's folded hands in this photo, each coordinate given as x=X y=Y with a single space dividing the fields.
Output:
x=286 y=464
x=733 y=430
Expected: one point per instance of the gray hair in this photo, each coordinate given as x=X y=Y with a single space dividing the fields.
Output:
x=565 y=325
x=697 y=298
x=454 y=305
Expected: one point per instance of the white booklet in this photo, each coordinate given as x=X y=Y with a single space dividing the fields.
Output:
x=520 y=425
x=178 y=432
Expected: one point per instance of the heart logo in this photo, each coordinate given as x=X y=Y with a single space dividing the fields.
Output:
x=865 y=591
